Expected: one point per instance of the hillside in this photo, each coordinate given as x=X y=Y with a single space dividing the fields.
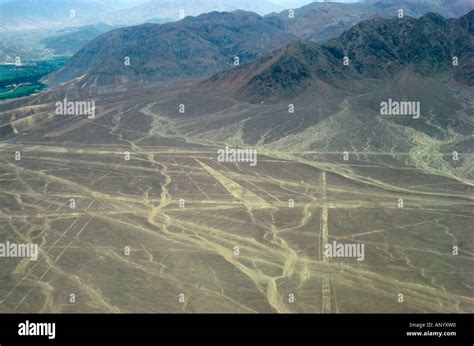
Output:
x=376 y=49
x=321 y=21
x=193 y=47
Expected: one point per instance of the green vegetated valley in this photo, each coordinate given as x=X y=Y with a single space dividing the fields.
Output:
x=24 y=79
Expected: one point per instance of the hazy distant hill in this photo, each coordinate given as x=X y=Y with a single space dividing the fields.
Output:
x=40 y=44
x=18 y=15
x=68 y=41
x=193 y=47
x=376 y=49
x=321 y=21
x=25 y=46
x=177 y=9
x=47 y=14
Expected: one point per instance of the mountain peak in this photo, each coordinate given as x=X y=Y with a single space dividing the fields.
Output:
x=191 y=48
x=469 y=18
x=434 y=18
x=375 y=49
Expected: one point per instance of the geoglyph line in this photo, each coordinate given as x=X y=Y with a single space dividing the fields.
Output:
x=248 y=198
x=324 y=234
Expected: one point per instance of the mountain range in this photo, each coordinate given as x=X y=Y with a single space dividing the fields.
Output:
x=375 y=49
x=173 y=10
x=320 y=21
x=191 y=48
x=144 y=171
x=199 y=46
x=18 y=15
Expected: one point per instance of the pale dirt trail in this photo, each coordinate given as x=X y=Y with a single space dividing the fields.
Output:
x=324 y=233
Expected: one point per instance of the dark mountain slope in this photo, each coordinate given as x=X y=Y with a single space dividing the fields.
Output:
x=376 y=49
x=321 y=21
x=193 y=47
x=200 y=46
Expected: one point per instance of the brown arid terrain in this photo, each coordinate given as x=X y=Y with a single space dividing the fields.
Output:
x=223 y=234
x=134 y=208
